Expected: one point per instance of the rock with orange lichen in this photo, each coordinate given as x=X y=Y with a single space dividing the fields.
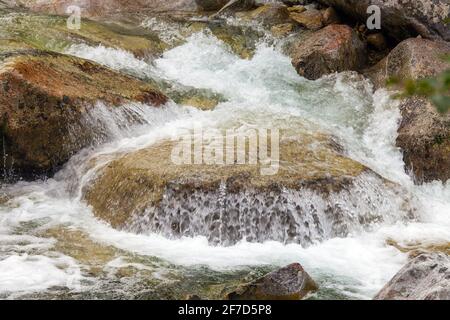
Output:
x=44 y=98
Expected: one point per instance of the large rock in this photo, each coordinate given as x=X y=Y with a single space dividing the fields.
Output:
x=44 y=98
x=402 y=19
x=424 y=134
x=335 y=48
x=145 y=191
x=424 y=137
x=49 y=32
x=288 y=283
x=426 y=277
x=414 y=59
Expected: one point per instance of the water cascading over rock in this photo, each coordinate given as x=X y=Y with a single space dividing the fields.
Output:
x=317 y=194
x=45 y=99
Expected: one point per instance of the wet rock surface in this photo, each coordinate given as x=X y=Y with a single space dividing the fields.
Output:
x=426 y=277
x=269 y=14
x=146 y=192
x=335 y=48
x=411 y=59
x=43 y=100
x=424 y=137
x=289 y=283
x=47 y=32
x=424 y=134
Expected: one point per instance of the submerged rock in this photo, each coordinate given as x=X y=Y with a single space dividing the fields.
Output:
x=426 y=277
x=242 y=40
x=288 y=283
x=44 y=98
x=146 y=191
x=402 y=19
x=335 y=48
x=93 y=256
x=197 y=98
x=424 y=134
x=416 y=248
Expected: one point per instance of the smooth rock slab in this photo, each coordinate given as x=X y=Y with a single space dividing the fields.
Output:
x=316 y=194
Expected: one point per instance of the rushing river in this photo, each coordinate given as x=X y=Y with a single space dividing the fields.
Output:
x=265 y=90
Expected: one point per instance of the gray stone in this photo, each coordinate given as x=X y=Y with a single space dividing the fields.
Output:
x=427 y=277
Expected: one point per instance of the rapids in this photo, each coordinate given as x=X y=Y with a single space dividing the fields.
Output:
x=37 y=261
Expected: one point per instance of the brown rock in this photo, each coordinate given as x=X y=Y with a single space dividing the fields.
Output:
x=412 y=59
x=270 y=14
x=426 y=277
x=297 y=9
x=335 y=48
x=311 y=19
x=416 y=248
x=377 y=41
x=43 y=98
x=330 y=16
x=282 y=30
x=424 y=137
x=288 y=283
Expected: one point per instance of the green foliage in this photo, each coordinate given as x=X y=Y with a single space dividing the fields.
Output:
x=437 y=88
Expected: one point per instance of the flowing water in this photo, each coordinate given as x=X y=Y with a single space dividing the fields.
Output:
x=39 y=220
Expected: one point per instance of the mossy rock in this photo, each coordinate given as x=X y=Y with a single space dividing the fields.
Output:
x=146 y=191
x=202 y=99
x=48 y=32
